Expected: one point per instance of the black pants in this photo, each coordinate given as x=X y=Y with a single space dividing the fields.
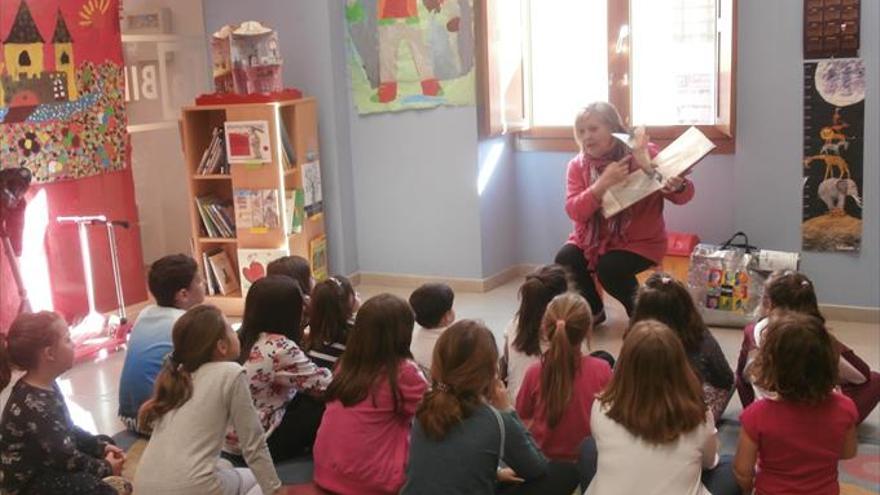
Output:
x=617 y=272
x=295 y=436
x=561 y=479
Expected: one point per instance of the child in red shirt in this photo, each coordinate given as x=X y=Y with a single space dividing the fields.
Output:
x=557 y=393
x=799 y=436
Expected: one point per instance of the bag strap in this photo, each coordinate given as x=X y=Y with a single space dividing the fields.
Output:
x=503 y=433
x=743 y=245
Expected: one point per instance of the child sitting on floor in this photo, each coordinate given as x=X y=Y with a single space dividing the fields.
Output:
x=557 y=393
x=334 y=303
x=41 y=451
x=363 y=440
x=432 y=305
x=793 y=291
x=798 y=437
x=176 y=285
x=199 y=392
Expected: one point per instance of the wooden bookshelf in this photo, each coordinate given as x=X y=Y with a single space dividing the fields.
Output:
x=299 y=118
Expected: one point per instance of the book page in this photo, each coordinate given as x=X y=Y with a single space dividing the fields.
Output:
x=675 y=159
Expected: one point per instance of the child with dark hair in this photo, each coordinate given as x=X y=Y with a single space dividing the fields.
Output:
x=432 y=305
x=799 y=436
x=200 y=391
x=284 y=382
x=363 y=440
x=465 y=427
x=331 y=314
x=41 y=451
x=666 y=300
x=523 y=342
x=793 y=291
x=177 y=285
x=297 y=268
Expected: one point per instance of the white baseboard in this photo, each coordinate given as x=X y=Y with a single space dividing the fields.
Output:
x=854 y=314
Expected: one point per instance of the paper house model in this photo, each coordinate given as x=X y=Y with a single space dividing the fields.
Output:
x=221 y=56
x=256 y=59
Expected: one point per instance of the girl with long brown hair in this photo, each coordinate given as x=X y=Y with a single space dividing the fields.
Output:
x=363 y=440
x=201 y=390
x=652 y=418
x=668 y=301
x=41 y=451
x=523 y=342
x=331 y=317
x=800 y=435
x=465 y=427
x=793 y=291
x=558 y=392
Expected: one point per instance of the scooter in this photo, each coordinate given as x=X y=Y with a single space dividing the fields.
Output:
x=96 y=332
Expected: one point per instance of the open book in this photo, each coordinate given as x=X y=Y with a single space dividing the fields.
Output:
x=674 y=160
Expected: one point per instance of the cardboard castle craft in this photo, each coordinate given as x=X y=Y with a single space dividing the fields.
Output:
x=246 y=59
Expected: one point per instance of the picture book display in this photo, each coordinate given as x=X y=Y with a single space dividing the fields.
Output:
x=294 y=205
x=318 y=257
x=311 y=179
x=257 y=210
x=248 y=142
x=222 y=273
x=252 y=264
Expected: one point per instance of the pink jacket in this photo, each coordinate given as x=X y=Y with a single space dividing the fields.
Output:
x=646 y=234
x=363 y=449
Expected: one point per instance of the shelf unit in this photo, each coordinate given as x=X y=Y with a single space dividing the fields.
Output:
x=299 y=118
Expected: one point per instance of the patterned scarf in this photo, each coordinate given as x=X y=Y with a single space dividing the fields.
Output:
x=601 y=231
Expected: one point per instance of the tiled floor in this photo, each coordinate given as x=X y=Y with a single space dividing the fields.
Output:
x=91 y=388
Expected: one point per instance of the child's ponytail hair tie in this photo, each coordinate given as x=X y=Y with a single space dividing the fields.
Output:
x=442 y=387
x=560 y=324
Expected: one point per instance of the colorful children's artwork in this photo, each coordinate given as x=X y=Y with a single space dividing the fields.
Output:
x=248 y=142
x=252 y=264
x=256 y=210
x=437 y=66
x=318 y=257
x=62 y=109
x=834 y=112
x=727 y=290
x=311 y=179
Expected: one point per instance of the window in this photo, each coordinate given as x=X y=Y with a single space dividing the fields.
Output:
x=665 y=64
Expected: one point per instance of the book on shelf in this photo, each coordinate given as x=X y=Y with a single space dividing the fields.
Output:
x=311 y=180
x=214 y=158
x=212 y=285
x=225 y=274
x=318 y=257
x=252 y=264
x=256 y=210
x=288 y=155
x=294 y=207
x=216 y=217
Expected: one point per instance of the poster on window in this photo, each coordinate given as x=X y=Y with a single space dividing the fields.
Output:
x=834 y=110
x=410 y=54
x=62 y=110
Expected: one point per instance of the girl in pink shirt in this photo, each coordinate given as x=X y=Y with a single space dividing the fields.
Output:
x=617 y=248
x=558 y=392
x=798 y=436
x=363 y=441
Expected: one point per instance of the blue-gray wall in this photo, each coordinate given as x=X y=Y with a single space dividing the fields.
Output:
x=402 y=192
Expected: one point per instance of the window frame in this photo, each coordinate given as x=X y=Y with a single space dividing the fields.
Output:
x=559 y=138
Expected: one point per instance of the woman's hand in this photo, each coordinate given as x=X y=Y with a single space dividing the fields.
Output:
x=507 y=475
x=673 y=185
x=116 y=458
x=614 y=173
x=499 y=399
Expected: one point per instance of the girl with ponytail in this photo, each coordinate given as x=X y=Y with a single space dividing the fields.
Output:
x=465 y=427
x=41 y=450
x=200 y=390
x=558 y=392
x=523 y=342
